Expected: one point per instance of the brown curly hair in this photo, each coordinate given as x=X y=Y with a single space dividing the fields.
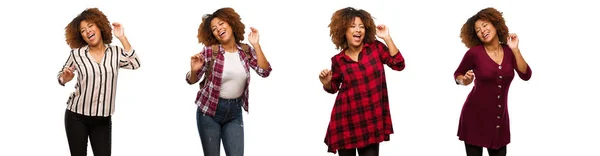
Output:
x=205 y=35
x=92 y=15
x=468 y=34
x=342 y=19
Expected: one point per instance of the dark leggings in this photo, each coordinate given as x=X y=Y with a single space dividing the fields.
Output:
x=478 y=151
x=80 y=127
x=370 y=150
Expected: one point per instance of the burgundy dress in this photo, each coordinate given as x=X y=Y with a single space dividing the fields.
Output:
x=484 y=118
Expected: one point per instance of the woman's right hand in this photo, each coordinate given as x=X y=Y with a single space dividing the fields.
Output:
x=468 y=77
x=67 y=74
x=196 y=62
x=325 y=76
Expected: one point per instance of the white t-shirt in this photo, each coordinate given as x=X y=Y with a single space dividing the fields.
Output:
x=234 y=76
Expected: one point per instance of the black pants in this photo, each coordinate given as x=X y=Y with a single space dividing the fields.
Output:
x=370 y=150
x=478 y=151
x=80 y=127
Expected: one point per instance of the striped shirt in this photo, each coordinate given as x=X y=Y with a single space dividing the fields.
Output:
x=96 y=84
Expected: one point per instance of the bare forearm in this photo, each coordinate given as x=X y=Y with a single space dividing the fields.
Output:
x=125 y=43
x=521 y=64
x=192 y=77
x=391 y=46
x=327 y=86
x=262 y=60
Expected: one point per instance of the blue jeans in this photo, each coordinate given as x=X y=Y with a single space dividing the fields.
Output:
x=227 y=124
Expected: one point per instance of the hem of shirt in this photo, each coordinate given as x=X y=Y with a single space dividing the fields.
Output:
x=109 y=115
x=483 y=145
x=333 y=149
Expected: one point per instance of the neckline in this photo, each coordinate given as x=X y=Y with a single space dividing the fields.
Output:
x=490 y=57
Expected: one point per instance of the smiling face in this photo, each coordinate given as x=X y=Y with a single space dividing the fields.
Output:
x=90 y=33
x=221 y=30
x=355 y=34
x=486 y=32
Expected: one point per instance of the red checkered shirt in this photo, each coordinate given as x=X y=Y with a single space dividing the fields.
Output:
x=208 y=96
x=361 y=114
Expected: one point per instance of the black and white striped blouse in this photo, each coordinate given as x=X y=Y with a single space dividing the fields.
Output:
x=96 y=84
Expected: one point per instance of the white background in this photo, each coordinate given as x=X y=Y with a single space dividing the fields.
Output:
x=555 y=113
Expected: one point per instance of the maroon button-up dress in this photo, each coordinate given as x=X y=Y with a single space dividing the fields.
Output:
x=484 y=118
x=361 y=114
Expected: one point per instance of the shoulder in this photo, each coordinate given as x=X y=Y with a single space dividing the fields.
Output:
x=77 y=51
x=115 y=48
x=375 y=44
x=74 y=50
x=475 y=49
x=337 y=57
x=507 y=49
x=208 y=49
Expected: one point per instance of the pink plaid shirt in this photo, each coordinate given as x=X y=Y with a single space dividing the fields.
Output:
x=208 y=96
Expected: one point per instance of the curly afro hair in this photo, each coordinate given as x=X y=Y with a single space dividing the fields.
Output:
x=342 y=19
x=468 y=34
x=92 y=15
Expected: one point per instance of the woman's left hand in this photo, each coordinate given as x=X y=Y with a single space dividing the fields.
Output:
x=253 y=36
x=382 y=31
x=118 y=30
x=513 y=41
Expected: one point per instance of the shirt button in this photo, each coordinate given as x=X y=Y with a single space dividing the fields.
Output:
x=500 y=77
x=497 y=126
x=499 y=106
x=498 y=117
x=498 y=96
x=499 y=67
x=499 y=86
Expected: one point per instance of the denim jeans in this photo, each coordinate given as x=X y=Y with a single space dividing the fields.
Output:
x=226 y=125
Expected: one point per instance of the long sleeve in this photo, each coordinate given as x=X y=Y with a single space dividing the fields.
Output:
x=128 y=60
x=336 y=78
x=524 y=76
x=200 y=73
x=254 y=65
x=466 y=64
x=395 y=62
x=70 y=62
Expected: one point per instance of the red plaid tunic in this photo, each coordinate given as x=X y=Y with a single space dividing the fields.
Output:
x=208 y=96
x=361 y=114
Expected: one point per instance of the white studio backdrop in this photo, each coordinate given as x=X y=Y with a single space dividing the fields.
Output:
x=552 y=114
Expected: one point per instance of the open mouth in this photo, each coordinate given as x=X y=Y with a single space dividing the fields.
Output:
x=486 y=35
x=222 y=34
x=92 y=36
x=356 y=37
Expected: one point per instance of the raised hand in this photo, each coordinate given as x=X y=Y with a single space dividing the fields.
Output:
x=67 y=74
x=382 y=31
x=118 y=30
x=325 y=76
x=196 y=62
x=513 y=41
x=253 y=36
